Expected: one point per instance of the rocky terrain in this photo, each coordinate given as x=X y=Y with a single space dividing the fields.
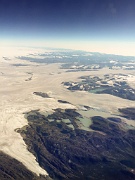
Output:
x=129 y=113
x=107 y=152
x=115 y=85
x=44 y=95
x=75 y=61
x=12 y=169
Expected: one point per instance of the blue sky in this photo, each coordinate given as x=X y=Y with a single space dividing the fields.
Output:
x=67 y=22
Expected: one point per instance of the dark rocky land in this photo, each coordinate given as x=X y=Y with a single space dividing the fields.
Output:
x=62 y=101
x=101 y=86
x=107 y=152
x=129 y=113
x=12 y=169
x=84 y=61
x=43 y=95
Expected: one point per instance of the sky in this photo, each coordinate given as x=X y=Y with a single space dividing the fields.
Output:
x=94 y=25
